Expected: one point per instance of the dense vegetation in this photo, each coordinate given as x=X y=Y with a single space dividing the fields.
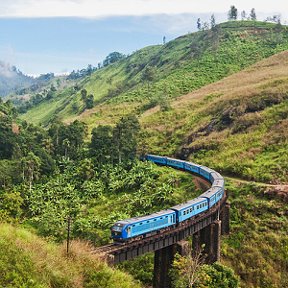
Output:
x=73 y=174
x=257 y=247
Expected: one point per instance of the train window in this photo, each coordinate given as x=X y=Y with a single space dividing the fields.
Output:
x=147 y=221
x=184 y=213
x=155 y=219
x=140 y=223
x=166 y=217
x=191 y=210
x=133 y=225
x=197 y=206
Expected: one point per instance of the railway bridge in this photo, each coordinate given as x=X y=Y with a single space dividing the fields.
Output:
x=205 y=231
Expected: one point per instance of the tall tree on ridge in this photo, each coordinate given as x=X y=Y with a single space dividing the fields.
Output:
x=233 y=13
x=253 y=14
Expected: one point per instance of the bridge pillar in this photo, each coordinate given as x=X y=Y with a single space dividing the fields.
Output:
x=183 y=247
x=216 y=239
x=163 y=260
x=196 y=244
x=209 y=237
x=225 y=219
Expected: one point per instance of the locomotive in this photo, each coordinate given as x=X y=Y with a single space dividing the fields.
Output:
x=145 y=226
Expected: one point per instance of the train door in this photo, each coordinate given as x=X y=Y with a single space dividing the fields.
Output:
x=129 y=231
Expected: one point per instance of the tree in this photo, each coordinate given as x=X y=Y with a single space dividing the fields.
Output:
x=74 y=133
x=164 y=40
x=125 y=138
x=89 y=101
x=101 y=144
x=212 y=22
x=199 y=24
x=189 y=271
x=253 y=14
x=243 y=15
x=186 y=269
x=233 y=13
x=30 y=168
x=112 y=58
x=10 y=206
x=66 y=144
x=7 y=137
x=205 y=26
x=148 y=74
x=83 y=94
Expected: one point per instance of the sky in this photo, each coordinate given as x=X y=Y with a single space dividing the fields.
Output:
x=41 y=36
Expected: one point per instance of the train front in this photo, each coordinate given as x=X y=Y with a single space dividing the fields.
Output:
x=119 y=231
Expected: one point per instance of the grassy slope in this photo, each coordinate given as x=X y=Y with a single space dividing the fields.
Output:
x=29 y=261
x=185 y=64
x=243 y=116
x=257 y=247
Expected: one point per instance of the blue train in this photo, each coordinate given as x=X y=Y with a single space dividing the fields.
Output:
x=145 y=226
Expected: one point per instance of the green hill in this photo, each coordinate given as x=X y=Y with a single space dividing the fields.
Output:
x=12 y=80
x=237 y=125
x=157 y=74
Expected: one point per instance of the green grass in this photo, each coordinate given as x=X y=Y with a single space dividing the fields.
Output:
x=257 y=246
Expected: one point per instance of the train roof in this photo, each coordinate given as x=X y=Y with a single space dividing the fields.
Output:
x=146 y=217
x=155 y=156
x=207 y=169
x=211 y=192
x=219 y=183
x=175 y=160
x=187 y=204
x=192 y=164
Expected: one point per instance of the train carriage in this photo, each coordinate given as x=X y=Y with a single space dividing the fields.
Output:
x=189 y=209
x=134 y=227
x=156 y=159
x=179 y=164
x=215 y=176
x=213 y=195
x=192 y=167
x=206 y=173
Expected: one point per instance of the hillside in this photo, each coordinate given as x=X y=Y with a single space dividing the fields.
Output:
x=243 y=116
x=12 y=80
x=43 y=264
x=160 y=73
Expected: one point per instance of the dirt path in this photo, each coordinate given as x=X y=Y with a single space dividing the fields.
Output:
x=279 y=191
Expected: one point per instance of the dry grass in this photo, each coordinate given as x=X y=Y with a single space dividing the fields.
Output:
x=244 y=83
x=52 y=265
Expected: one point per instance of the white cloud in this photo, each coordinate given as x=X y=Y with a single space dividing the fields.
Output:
x=104 y=8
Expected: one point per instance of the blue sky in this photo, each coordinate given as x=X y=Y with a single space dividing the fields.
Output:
x=61 y=35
